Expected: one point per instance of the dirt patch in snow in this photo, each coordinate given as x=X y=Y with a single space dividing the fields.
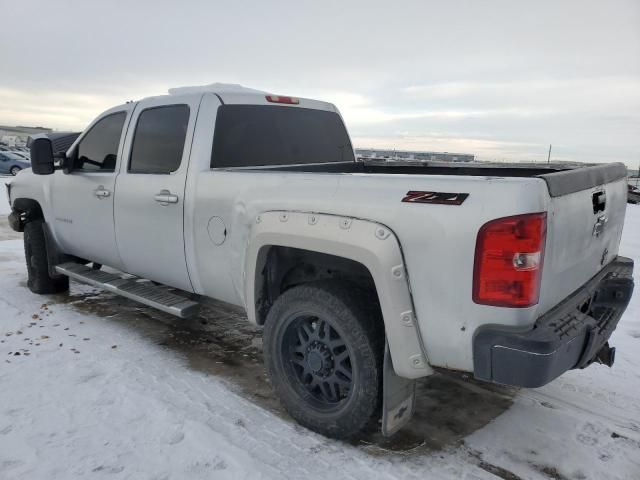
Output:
x=221 y=342
x=111 y=386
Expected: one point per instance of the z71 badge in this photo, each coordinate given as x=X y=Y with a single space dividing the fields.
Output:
x=439 y=198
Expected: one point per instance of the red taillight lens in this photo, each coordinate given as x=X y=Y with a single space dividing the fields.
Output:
x=508 y=263
x=281 y=99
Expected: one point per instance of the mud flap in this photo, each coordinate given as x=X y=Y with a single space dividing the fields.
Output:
x=398 y=398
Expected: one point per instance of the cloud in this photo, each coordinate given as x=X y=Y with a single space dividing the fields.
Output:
x=62 y=110
x=483 y=149
x=598 y=93
x=360 y=110
x=501 y=77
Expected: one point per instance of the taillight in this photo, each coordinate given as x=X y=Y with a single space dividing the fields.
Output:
x=508 y=262
x=281 y=99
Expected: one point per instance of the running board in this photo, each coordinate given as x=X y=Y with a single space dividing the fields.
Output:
x=140 y=291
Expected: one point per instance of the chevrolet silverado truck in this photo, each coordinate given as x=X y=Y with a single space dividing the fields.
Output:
x=365 y=275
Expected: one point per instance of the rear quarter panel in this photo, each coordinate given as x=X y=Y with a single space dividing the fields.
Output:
x=437 y=241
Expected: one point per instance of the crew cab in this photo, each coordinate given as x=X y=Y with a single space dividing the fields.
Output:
x=365 y=275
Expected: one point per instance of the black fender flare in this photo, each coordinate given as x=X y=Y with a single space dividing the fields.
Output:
x=22 y=211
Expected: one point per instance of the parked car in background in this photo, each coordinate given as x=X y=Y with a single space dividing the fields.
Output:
x=633 y=194
x=20 y=153
x=12 y=163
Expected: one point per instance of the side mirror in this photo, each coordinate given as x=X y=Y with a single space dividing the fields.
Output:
x=42 y=157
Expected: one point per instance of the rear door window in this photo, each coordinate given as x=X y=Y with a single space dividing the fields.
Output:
x=159 y=138
x=259 y=135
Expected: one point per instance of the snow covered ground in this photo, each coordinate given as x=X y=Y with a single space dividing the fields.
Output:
x=93 y=386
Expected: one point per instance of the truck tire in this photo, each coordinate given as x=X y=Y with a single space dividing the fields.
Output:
x=35 y=252
x=324 y=348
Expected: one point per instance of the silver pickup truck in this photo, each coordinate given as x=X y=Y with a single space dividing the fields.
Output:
x=365 y=276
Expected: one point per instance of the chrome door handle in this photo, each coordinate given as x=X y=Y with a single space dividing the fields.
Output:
x=165 y=197
x=598 y=228
x=101 y=192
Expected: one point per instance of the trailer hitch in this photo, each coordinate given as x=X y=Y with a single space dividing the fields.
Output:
x=606 y=355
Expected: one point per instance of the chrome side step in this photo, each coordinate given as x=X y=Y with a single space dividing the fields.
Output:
x=133 y=288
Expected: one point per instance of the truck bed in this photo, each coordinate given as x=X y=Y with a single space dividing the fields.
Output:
x=561 y=179
x=585 y=207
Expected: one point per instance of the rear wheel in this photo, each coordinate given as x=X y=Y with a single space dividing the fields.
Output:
x=35 y=252
x=323 y=351
x=14 y=170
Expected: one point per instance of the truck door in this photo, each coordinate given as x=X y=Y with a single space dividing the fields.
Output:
x=82 y=201
x=149 y=204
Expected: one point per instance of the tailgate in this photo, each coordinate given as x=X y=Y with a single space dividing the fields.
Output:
x=584 y=226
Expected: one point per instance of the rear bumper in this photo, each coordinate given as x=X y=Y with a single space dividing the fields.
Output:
x=574 y=334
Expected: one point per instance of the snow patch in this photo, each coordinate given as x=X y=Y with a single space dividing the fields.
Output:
x=89 y=395
x=4 y=201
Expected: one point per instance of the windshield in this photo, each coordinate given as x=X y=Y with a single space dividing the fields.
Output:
x=259 y=135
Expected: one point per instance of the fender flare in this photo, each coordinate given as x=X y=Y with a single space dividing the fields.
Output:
x=29 y=206
x=371 y=244
x=23 y=210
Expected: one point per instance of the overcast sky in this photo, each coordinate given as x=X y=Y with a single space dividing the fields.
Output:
x=501 y=79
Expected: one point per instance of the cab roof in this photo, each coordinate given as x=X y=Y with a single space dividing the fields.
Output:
x=232 y=93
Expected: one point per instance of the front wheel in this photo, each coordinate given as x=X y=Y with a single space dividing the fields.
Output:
x=35 y=252
x=323 y=346
x=15 y=170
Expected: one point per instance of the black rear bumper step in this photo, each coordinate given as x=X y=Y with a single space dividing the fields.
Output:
x=574 y=334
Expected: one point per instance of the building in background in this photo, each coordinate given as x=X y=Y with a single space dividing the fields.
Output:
x=18 y=136
x=372 y=153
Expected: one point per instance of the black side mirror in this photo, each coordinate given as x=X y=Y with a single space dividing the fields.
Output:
x=42 y=156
